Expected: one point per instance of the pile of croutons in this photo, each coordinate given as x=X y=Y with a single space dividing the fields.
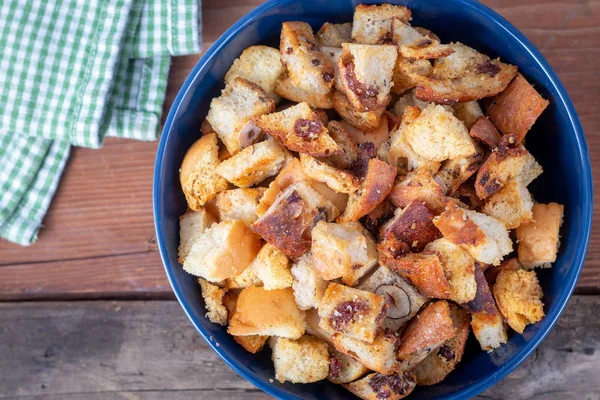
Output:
x=351 y=202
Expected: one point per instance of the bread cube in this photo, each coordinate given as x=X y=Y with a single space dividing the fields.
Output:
x=378 y=356
x=424 y=271
x=511 y=205
x=267 y=312
x=354 y=313
x=372 y=24
x=494 y=230
x=260 y=65
x=334 y=34
x=489 y=330
x=213 y=302
x=313 y=328
x=416 y=45
x=337 y=179
x=239 y=204
x=491 y=273
x=367 y=121
x=408 y=99
x=468 y=112
x=515 y=110
x=289 y=90
x=240 y=101
x=192 y=225
x=518 y=295
x=438 y=135
x=289 y=220
x=366 y=74
x=223 y=251
x=403 y=300
x=484 y=131
x=197 y=175
x=273 y=268
x=303 y=360
x=344 y=251
x=251 y=343
x=300 y=129
x=343 y=138
x=419 y=185
x=453 y=173
x=308 y=285
x=413 y=225
x=344 y=369
x=376 y=386
x=408 y=73
x=247 y=278
x=539 y=240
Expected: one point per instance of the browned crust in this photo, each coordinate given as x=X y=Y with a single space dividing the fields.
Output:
x=408 y=72
x=367 y=121
x=424 y=271
x=456 y=172
x=379 y=216
x=484 y=300
x=466 y=195
x=431 y=51
x=458 y=228
x=511 y=264
x=376 y=386
x=516 y=109
x=485 y=131
x=413 y=226
x=419 y=185
x=390 y=248
x=486 y=183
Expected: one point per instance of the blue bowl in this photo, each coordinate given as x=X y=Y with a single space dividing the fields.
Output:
x=556 y=141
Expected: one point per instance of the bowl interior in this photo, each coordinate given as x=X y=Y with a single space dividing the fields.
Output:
x=556 y=141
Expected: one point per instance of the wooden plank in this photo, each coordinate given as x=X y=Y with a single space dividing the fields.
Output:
x=124 y=350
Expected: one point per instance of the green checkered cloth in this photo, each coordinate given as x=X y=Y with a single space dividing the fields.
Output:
x=73 y=72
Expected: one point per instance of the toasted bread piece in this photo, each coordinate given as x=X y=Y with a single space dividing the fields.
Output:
x=372 y=191
x=491 y=273
x=511 y=205
x=334 y=34
x=403 y=300
x=408 y=73
x=300 y=129
x=367 y=121
x=254 y=163
x=372 y=24
x=489 y=330
x=413 y=225
x=303 y=360
x=484 y=131
x=419 y=185
x=427 y=331
x=308 y=285
x=198 y=179
x=518 y=295
x=424 y=271
x=502 y=165
x=459 y=269
x=408 y=99
x=453 y=173
x=438 y=135
x=313 y=325
x=378 y=356
x=466 y=195
x=355 y=313
x=539 y=240
x=468 y=112
x=192 y=225
x=288 y=89
x=484 y=300
x=258 y=64
x=366 y=74
x=267 y=312
x=223 y=251
x=251 y=343
x=247 y=278
x=333 y=54
x=289 y=220
x=376 y=386
x=213 y=302
x=337 y=179
x=413 y=44
x=374 y=220
x=344 y=369
x=343 y=138
x=239 y=204
x=240 y=101
x=440 y=362
x=465 y=75
x=273 y=268
x=515 y=110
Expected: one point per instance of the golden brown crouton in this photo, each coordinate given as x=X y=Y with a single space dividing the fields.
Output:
x=308 y=285
x=334 y=34
x=408 y=73
x=198 y=179
x=419 y=185
x=413 y=225
x=484 y=131
x=515 y=110
x=344 y=369
x=372 y=24
x=192 y=225
x=251 y=343
x=467 y=196
x=376 y=386
x=511 y=205
x=272 y=268
x=258 y=64
x=337 y=179
x=341 y=136
x=213 y=302
x=378 y=356
x=413 y=44
x=239 y=204
x=489 y=330
x=468 y=112
x=454 y=173
x=518 y=295
x=424 y=271
x=491 y=273
x=287 y=89
x=539 y=239
x=367 y=121
x=303 y=360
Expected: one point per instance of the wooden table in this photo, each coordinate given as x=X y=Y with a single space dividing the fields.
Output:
x=124 y=337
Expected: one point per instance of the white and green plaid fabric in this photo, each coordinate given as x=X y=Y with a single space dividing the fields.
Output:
x=73 y=72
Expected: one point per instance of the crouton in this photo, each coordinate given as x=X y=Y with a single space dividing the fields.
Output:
x=453 y=173
x=213 y=302
x=337 y=179
x=239 y=204
x=408 y=99
x=303 y=360
x=375 y=187
x=344 y=369
x=258 y=64
x=413 y=44
x=491 y=273
x=374 y=220
x=223 y=251
x=489 y=330
x=313 y=326
x=289 y=220
x=484 y=131
x=483 y=301
x=376 y=386
x=288 y=89
x=426 y=332
x=267 y=312
x=424 y=271
x=502 y=165
x=440 y=362
x=511 y=205
x=344 y=251
x=408 y=73
x=254 y=163
x=465 y=75
x=367 y=121
x=378 y=356
x=251 y=343
x=539 y=240
x=376 y=137
x=515 y=110
x=403 y=300
x=240 y=101
x=372 y=24
x=192 y=225
x=518 y=295
x=308 y=285
x=273 y=268
x=366 y=73
x=197 y=175
x=468 y=112
x=419 y=185
x=413 y=225
x=458 y=267
x=299 y=129
x=438 y=135
x=355 y=313
x=247 y=278
x=341 y=136
x=334 y=34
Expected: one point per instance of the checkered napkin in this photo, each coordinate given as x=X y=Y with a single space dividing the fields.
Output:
x=71 y=73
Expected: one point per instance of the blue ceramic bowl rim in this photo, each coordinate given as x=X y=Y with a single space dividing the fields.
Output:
x=584 y=161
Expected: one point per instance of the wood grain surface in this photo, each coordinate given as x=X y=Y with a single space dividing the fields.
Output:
x=99 y=242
